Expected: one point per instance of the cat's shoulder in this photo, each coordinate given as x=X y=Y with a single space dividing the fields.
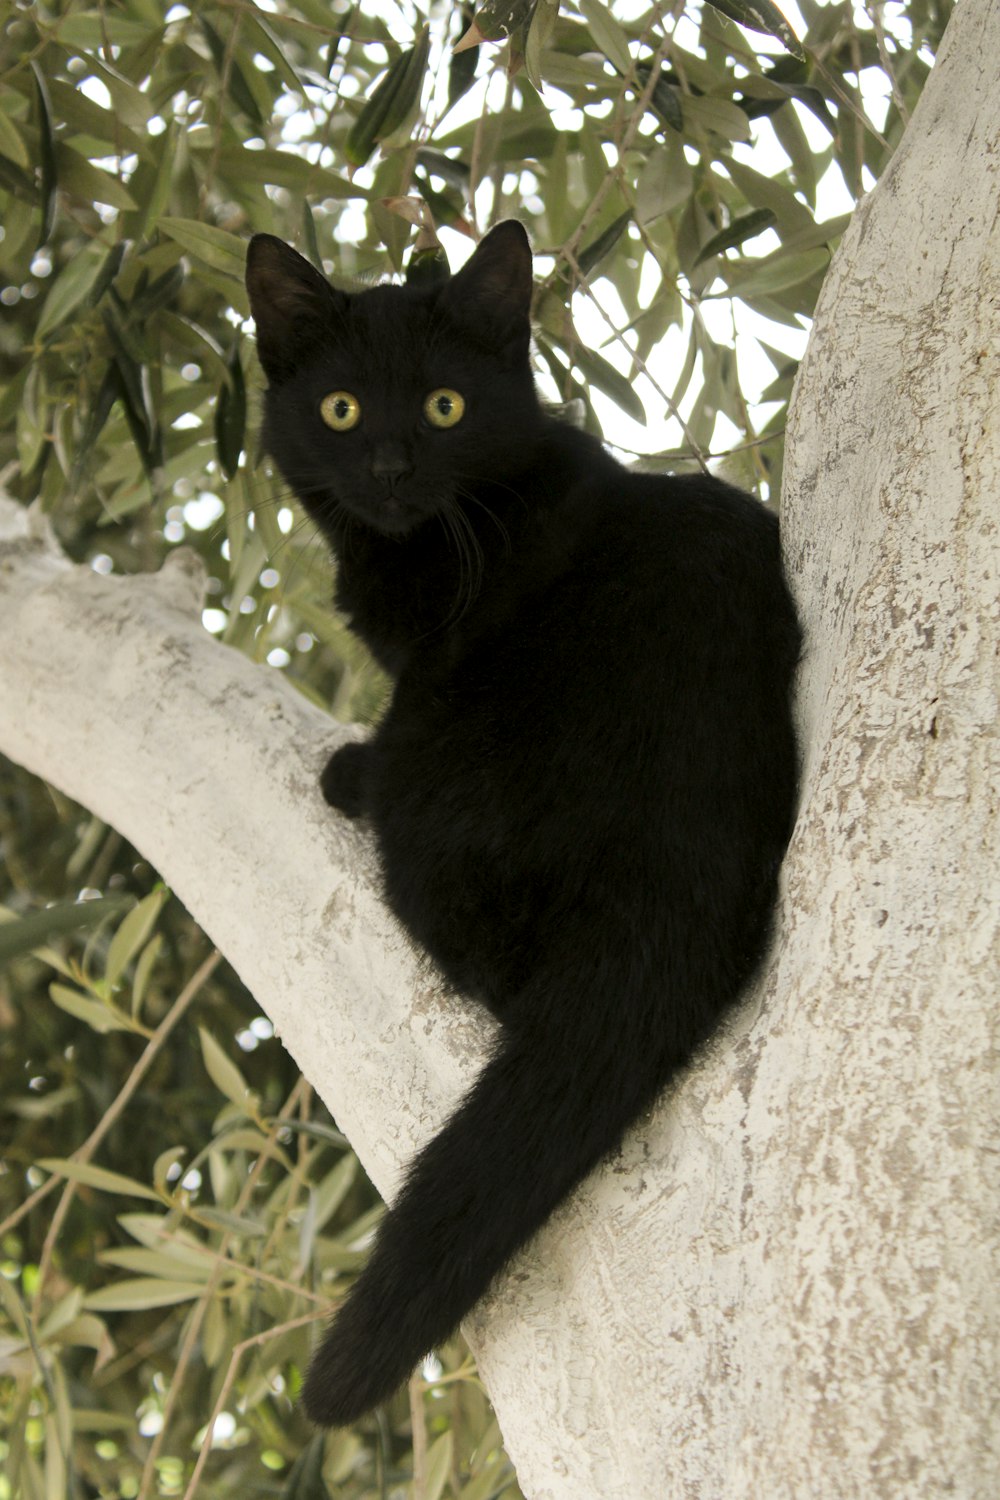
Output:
x=695 y=509
x=698 y=499
x=703 y=504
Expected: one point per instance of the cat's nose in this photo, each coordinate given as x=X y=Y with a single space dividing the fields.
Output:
x=390 y=464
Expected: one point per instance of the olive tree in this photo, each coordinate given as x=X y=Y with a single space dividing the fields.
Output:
x=782 y=1284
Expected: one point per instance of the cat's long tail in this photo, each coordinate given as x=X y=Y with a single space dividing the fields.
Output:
x=548 y=1106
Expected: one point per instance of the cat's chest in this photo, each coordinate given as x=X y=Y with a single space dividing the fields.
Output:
x=442 y=616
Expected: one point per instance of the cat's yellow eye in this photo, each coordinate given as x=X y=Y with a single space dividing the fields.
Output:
x=444 y=408
x=340 y=410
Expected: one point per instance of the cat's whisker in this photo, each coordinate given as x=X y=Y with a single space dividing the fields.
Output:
x=473 y=499
x=470 y=561
x=350 y=532
x=476 y=549
x=285 y=494
x=314 y=544
x=496 y=483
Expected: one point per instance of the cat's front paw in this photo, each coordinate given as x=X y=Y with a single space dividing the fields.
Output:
x=344 y=782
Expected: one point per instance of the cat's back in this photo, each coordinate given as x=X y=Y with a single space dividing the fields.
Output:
x=637 y=564
x=670 y=530
x=647 y=618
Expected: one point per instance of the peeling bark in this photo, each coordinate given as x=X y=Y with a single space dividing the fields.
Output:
x=785 y=1285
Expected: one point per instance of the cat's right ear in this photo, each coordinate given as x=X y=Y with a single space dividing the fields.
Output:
x=492 y=291
x=292 y=304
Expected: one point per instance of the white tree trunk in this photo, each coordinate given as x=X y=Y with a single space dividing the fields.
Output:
x=785 y=1286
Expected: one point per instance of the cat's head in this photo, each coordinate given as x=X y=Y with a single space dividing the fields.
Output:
x=387 y=406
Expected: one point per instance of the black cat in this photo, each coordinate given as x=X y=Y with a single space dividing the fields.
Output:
x=585 y=780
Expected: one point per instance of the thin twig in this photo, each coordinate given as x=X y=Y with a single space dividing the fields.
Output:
x=638 y=362
x=110 y=1117
x=250 y=1273
x=418 y=1430
x=234 y=1361
x=569 y=249
x=477 y=151
x=200 y=1312
x=498 y=165
x=757 y=442
x=90 y=1145
x=873 y=10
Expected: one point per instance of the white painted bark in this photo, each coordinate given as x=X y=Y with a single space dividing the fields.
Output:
x=785 y=1286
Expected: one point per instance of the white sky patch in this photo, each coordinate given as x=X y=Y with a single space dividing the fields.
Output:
x=203 y=511
x=96 y=90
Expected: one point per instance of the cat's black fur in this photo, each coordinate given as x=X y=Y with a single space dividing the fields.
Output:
x=584 y=783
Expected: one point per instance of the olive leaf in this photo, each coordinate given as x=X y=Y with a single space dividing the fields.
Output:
x=47 y=146
x=393 y=100
x=743 y=228
x=762 y=15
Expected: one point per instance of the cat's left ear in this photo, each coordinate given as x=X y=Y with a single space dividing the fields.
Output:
x=493 y=289
x=292 y=304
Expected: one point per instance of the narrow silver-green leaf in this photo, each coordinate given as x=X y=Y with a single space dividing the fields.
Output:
x=286 y=170
x=540 y=28
x=596 y=369
x=94 y=28
x=591 y=255
x=310 y=241
x=80 y=178
x=372 y=123
x=94 y=1013
x=133 y=933
x=216 y=247
x=231 y=414
x=85 y=1173
x=462 y=66
x=764 y=16
x=170 y=1263
x=143 y=970
x=47 y=149
x=404 y=100
x=156 y=1229
x=84 y=117
x=665 y=98
x=741 y=229
x=222 y=1070
x=320 y=1131
x=234 y=1223
x=159 y=193
x=765 y=192
x=135 y=1293
x=162 y=1168
x=664 y=181
x=438 y=1469
x=24 y=934
x=132 y=385
x=231 y=73
x=775 y=273
x=334 y=1188
x=263 y=37
x=11 y=143
x=89 y=1332
x=498 y=19
x=609 y=34
x=721 y=116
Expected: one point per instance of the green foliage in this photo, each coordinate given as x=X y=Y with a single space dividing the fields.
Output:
x=178 y=1211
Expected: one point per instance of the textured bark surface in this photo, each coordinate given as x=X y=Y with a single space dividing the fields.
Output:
x=785 y=1286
